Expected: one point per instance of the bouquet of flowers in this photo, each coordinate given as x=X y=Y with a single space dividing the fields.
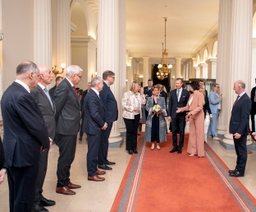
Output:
x=156 y=108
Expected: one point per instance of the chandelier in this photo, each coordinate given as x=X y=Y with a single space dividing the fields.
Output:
x=164 y=69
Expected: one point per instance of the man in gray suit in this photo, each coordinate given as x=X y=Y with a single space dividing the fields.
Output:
x=47 y=107
x=67 y=126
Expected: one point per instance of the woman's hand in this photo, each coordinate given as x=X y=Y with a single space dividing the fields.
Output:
x=178 y=110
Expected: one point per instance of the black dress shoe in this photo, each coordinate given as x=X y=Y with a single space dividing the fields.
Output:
x=179 y=151
x=174 y=150
x=236 y=173
x=47 y=202
x=110 y=163
x=39 y=208
x=230 y=171
x=105 y=167
x=130 y=152
x=135 y=151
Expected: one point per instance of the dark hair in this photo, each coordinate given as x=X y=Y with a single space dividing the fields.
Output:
x=25 y=67
x=179 y=79
x=57 y=78
x=107 y=74
x=195 y=85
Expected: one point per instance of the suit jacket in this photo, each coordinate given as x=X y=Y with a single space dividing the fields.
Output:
x=24 y=129
x=148 y=91
x=51 y=91
x=174 y=104
x=214 y=102
x=47 y=110
x=1 y=154
x=110 y=103
x=67 y=109
x=252 y=98
x=94 y=113
x=239 y=120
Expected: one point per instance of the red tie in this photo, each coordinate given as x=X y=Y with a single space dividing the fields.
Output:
x=236 y=100
x=74 y=88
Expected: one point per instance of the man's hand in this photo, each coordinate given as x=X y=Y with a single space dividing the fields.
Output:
x=105 y=126
x=50 y=141
x=236 y=135
x=2 y=174
x=169 y=118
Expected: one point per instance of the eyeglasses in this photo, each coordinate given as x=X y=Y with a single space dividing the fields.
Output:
x=79 y=76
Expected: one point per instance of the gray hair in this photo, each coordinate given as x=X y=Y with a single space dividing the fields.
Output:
x=73 y=69
x=25 y=67
x=43 y=69
x=95 y=81
x=241 y=83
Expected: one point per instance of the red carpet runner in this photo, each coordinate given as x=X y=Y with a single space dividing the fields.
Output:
x=160 y=181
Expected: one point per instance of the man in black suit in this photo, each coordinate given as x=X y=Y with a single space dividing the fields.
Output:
x=253 y=110
x=67 y=126
x=82 y=110
x=239 y=127
x=94 y=126
x=178 y=98
x=57 y=82
x=148 y=93
x=25 y=135
x=110 y=104
x=47 y=108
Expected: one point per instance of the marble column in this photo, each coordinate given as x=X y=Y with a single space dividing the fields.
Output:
x=177 y=67
x=197 y=68
x=145 y=71
x=108 y=57
x=234 y=55
x=203 y=70
x=43 y=32
x=211 y=68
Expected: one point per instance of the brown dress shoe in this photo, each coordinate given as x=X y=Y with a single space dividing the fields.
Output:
x=73 y=186
x=98 y=172
x=96 y=178
x=65 y=190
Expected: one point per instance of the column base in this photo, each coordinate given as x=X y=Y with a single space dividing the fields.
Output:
x=115 y=140
x=228 y=143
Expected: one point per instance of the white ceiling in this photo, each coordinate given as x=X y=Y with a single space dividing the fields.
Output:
x=189 y=24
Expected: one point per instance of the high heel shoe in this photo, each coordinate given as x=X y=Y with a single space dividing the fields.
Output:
x=191 y=155
x=158 y=147
x=152 y=146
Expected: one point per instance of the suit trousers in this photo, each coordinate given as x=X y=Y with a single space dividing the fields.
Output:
x=22 y=187
x=67 y=149
x=43 y=162
x=241 y=152
x=92 y=154
x=103 y=148
x=178 y=126
x=131 y=132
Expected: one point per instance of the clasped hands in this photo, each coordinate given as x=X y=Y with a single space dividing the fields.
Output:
x=105 y=126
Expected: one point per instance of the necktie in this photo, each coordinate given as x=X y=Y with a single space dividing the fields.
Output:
x=74 y=88
x=236 y=99
x=48 y=95
x=178 y=94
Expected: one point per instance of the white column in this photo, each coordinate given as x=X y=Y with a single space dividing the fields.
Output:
x=91 y=58
x=192 y=73
x=203 y=70
x=42 y=32
x=145 y=71
x=253 y=73
x=197 y=72
x=129 y=73
x=177 y=67
x=211 y=68
x=108 y=51
x=63 y=42
x=234 y=54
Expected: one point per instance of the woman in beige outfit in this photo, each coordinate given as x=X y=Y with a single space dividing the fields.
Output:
x=195 y=117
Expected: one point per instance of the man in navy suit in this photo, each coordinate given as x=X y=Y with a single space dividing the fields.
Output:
x=47 y=108
x=239 y=127
x=110 y=104
x=25 y=136
x=67 y=126
x=57 y=82
x=94 y=126
x=253 y=110
x=178 y=98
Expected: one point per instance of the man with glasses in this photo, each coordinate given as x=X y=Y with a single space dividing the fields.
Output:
x=109 y=101
x=214 y=103
x=67 y=126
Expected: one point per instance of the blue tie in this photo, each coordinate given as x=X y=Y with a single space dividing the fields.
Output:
x=48 y=96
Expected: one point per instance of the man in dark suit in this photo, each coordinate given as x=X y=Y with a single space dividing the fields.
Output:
x=47 y=108
x=148 y=93
x=178 y=98
x=82 y=110
x=57 y=82
x=67 y=126
x=110 y=104
x=239 y=127
x=94 y=126
x=25 y=135
x=253 y=110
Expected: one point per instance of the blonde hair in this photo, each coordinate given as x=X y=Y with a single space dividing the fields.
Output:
x=134 y=83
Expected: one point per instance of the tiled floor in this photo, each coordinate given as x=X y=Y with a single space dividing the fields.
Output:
x=99 y=196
